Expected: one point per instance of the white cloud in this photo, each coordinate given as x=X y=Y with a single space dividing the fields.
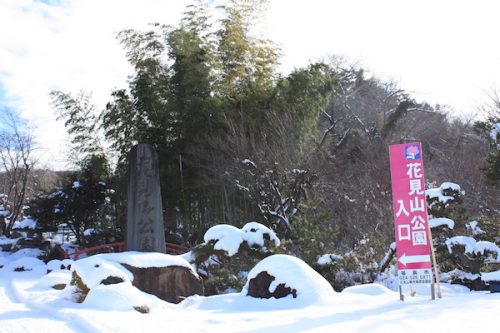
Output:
x=444 y=51
x=71 y=47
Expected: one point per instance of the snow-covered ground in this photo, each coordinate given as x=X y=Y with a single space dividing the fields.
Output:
x=29 y=304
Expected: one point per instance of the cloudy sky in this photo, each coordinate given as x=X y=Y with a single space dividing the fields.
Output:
x=442 y=51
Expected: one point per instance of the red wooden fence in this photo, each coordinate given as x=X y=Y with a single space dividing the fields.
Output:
x=119 y=247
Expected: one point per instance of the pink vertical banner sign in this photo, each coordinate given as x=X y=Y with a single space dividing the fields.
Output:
x=413 y=239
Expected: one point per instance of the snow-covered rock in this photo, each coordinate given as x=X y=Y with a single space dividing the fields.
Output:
x=118 y=297
x=305 y=283
x=168 y=277
x=58 y=265
x=54 y=280
x=26 y=264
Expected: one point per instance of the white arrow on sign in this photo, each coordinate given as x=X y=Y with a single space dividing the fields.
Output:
x=414 y=259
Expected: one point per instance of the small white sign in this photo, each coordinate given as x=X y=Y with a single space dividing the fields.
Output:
x=414 y=276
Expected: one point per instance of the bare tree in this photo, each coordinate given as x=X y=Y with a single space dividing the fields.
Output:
x=16 y=163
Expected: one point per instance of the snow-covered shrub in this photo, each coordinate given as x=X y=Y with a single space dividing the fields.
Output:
x=229 y=252
x=84 y=202
x=354 y=267
x=463 y=249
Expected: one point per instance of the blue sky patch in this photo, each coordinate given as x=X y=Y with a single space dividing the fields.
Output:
x=51 y=2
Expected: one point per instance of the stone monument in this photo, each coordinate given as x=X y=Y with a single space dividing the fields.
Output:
x=145 y=229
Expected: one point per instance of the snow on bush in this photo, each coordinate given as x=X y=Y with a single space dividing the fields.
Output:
x=491 y=276
x=450 y=186
x=458 y=274
x=472 y=226
x=439 y=221
x=295 y=274
x=438 y=194
x=473 y=247
x=89 y=232
x=26 y=223
x=229 y=238
x=328 y=259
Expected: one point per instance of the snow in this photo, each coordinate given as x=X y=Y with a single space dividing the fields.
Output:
x=472 y=226
x=468 y=242
x=57 y=265
x=26 y=264
x=88 y=232
x=229 y=238
x=35 y=253
x=450 y=186
x=29 y=304
x=491 y=276
x=136 y=259
x=118 y=297
x=327 y=259
x=52 y=279
x=437 y=193
x=370 y=289
x=94 y=270
x=294 y=273
x=26 y=223
x=76 y=184
x=248 y=162
x=483 y=246
x=458 y=274
x=253 y=234
x=439 y=221
x=495 y=131
x=4 y=240
x=473 y=247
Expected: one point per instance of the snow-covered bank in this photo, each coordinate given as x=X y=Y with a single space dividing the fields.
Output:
x=29 y=304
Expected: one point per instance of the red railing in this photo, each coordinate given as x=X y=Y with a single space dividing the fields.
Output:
x=106 y=248
x=176 y=249
x=119 y=247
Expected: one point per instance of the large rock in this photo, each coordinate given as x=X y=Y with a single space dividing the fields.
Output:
x=259 y=287
x=282 y=275
x=170 y=278
x=171 y=283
